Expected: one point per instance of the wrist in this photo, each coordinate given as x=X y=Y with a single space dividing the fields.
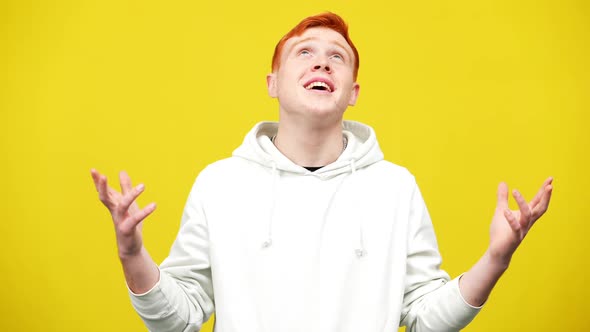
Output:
x=496 y=261
x=141 y=272
x=131 y=255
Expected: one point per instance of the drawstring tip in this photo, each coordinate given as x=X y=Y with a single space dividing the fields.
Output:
x=360 y=253
x=266 y=243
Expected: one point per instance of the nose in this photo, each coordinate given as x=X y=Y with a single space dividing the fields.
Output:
x=324 y=67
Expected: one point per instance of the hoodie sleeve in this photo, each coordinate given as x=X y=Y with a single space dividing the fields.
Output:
x=432 y=302
x=183 y=297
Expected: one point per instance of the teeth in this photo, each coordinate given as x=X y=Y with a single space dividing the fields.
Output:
x=322 y=84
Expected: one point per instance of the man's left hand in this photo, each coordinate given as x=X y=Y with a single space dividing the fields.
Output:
x=509 y=227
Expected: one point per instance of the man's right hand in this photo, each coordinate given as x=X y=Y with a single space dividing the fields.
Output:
x=141 y=272
x=126 y=214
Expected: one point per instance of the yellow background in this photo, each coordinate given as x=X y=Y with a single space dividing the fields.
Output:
x=463 y=93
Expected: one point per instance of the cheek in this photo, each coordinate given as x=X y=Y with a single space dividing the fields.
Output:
x=287 y=81
x=287 y=89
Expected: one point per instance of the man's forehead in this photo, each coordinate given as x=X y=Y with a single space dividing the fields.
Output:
x=319 y=34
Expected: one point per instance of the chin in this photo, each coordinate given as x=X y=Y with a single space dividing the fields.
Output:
x=327 y=113
x=315 y=109
x=319 y=108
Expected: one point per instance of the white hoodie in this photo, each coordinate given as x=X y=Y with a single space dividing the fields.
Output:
x=270 y=246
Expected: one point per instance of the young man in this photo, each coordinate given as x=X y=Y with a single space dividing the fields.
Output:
x=306 y=227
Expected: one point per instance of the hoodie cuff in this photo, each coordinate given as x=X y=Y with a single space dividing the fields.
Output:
x=153 y=303
x=132 y=294
x=456 y=281
x=464 y=312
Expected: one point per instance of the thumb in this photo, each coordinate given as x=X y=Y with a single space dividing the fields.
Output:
x=502 y=202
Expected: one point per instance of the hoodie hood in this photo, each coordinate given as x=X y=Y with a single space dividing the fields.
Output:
x=361 y=151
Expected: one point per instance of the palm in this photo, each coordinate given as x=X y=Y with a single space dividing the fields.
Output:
x=509 y=227
x=126 y=214
x=115 y=196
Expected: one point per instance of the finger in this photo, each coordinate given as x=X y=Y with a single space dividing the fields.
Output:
x=128 y=199
x=514 y=224
x=540 y=193
x=125 y=181
x=102 y=186
x=95 y=177
x=525 y=210
x=543 y=205
x=502 y=196
x=140 y=216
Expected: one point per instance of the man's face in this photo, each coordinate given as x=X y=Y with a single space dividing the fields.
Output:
x=315 y=75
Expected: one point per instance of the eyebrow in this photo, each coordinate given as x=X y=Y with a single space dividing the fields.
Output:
x=315 y=38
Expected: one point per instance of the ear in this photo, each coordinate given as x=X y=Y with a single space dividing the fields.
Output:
x=271 y=85
x=355 y=94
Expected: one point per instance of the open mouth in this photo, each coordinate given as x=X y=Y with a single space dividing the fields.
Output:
x=319 y=84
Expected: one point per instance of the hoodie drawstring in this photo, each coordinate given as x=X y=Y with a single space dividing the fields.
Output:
x=360 y=249
x=275 y=178
x=352 y=166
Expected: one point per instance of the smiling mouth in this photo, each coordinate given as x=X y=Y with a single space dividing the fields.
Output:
x=318 y=86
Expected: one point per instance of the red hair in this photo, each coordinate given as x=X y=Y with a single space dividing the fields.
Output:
x=324 y=20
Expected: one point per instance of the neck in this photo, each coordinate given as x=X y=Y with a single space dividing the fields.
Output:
x=311 y=146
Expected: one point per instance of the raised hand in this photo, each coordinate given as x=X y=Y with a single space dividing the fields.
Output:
x=509 y=227
x=126 y=214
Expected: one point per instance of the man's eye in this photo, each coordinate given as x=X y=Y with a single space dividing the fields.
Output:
x=337 y=56
x=304 y=52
